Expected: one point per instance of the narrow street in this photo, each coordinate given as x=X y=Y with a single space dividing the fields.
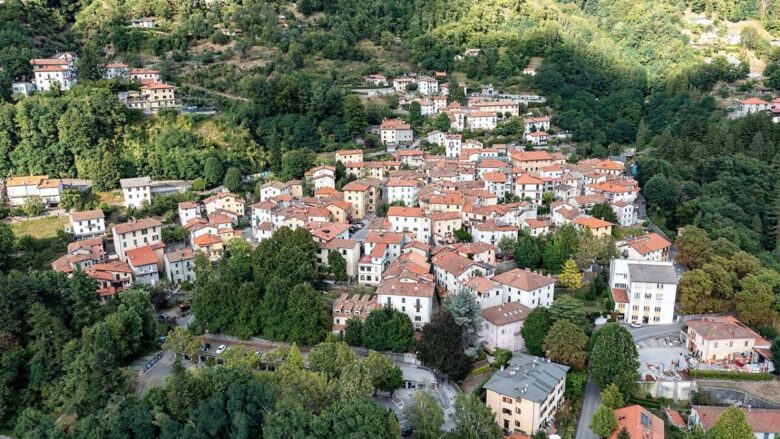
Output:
x=590 y=403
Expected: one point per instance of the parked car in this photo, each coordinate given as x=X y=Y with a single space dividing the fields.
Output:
x=635 y=325
x=221 y=348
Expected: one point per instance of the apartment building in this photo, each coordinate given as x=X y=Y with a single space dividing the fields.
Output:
x=134 y=234
x=393 y=132
x=139 y=191
x=650 y=247
x=404 y=190
x=527 y=287
x=21 y=189
x=180 y=266
x=722 y=339
x=143 y=262
x=502 y=324
x=643 y=291
x=87 y=224
x=525 y=396
x=410 y=220
x=412 y=297
x=225 y=201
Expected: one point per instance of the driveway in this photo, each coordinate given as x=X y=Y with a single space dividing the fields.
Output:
x=360 y=235
x=590 y=403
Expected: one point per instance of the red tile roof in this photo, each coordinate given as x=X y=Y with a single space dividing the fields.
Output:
x=141 y=256
x=525 y=280
x=640 y=423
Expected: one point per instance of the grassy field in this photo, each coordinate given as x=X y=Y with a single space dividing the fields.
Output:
x=39 y=228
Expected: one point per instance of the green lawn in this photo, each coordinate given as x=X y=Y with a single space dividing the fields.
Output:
x=39 y=228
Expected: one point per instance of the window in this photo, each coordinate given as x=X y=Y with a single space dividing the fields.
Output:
x=518 y=411
x=506 y=411
x=507 y=400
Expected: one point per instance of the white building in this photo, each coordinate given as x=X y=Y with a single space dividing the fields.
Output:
x=140 y=190
x=527 y=287
x=501 y=326
x=650 y=247
x=394 y=132
x=531 y=124
x=87 y=224
x=60 y=70
x=427 y=85
x=145 y=22
x=453 y=143
x=21 y=189
x=538 y=138
x=22 y=88
x=412 y=220
x=188 y=211
x=180 y=266
x=144 y=75
x=409 y=296
x=404 y=190
x=143 y=262
x=491 y=232
x=452 y=270
x=133 y=234
x=115 y=70
x=643 y=291
x=481 y=120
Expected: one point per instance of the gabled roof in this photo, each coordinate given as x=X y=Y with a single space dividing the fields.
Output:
x=648 y=243
x=400 y=287
x=87 y=215
x=760 y=420
x=640 y=423
x=525 y=280
x=141 y=256
x=506 y=314
x=143 y=223
x=452 y=262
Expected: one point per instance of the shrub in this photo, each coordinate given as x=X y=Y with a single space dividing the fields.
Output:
x=730 y=375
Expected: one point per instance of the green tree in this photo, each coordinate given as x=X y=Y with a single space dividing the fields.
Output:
x=693 y=247
x=337 y=265
x=199 y=184
x=70 y=199
x=388 y=329
x=354 y=115
x=501 y=357
x=308 y=315
x=34 y=424
x=441 y=346
x=474 y=420
x=33 y=206
x=442 y=122
x=772 y=74
x=355 y=382
x=614 y=359
x=527 y=253
x=775 y=349
x=385 y=375
x=536 y=327
x=415 y=114
x=233 y=180
x=755 y=303
x=604 y=211
x=360 y=418
x=180 y=341
x=331 y=358
x=571 y=309
x=611 y=397
x=624 y=434
x=462 y=235
x=6 y=243
x=603 y=422
x=212 y=171
x=731 y=424
x=353 y=332
x=426 y=416
x=565 y=343
x=571 y=277
x=296 y=163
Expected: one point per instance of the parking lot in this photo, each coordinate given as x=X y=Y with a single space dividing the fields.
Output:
x=662 y=355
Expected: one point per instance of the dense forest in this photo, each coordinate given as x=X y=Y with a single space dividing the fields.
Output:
x=617 y=74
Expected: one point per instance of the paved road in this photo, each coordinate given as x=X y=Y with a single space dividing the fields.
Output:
x=589 y=405
x=360 y=235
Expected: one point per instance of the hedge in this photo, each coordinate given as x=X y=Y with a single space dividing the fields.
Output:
x=730 y=375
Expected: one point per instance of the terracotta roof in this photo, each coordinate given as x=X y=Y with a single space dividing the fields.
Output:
x=760 y=420
x=113 y=266
x=492 y=226
x=53 y=69
x=525 y=280
x=531 y=156
x=220 y=195
x=349 y=151
x=674 y=418
x=538 y=134
x=378 y=251
x=157 y=86
x=87 y=215
x=444 y=216
x=452 y=262
x=648 y=243
x=402 y=182
x=530 y=120
x=473 y=248
x=494 y=177
x=402 y=211
x=590 y=199
x=207 y=239
x=340 y=244
x=394 y=124
x=619 y=295
x=143 y=223
x=49 y=61
x=754 y=101
x=28 y=180
x=143 y=72
x=640 y=423
x=591 y=222
x=399 y=287
x=188 y=205
x=355 y=186
x=722 y=328
x=141 y=256
x=116 y=65
x=180 y=255
x=506 y=314
x=375 y=237
x=481 y=284
x=528 y=179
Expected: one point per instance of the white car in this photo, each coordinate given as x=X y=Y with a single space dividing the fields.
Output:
x=221 y=348
x=635 y=325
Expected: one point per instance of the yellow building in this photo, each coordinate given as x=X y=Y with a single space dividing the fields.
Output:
x=526 y=394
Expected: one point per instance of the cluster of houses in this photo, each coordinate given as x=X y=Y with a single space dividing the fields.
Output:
x=757 y=105
x=61 y=71
x=138 y=253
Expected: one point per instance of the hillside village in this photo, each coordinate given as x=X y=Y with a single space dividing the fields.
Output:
x=412 y=230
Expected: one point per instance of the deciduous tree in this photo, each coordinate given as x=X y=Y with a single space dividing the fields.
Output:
x=731 y=424
x=474 y=420
x=426 y=416
x=614 y=359
x=535 y=329
x=603 y=422
x=565 y=344
x=571 y=277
